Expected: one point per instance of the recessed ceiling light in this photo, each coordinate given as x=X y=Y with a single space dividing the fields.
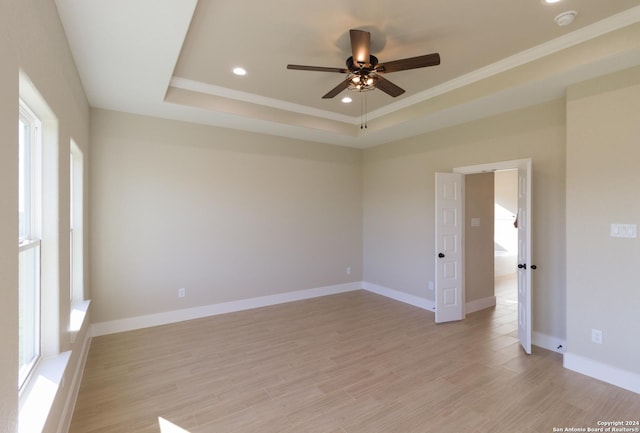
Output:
x=549 y=2
x=240 y=71
x=347 y=100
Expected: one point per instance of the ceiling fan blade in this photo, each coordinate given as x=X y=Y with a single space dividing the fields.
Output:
x=360 y=46
x=336 y=90
x=317 y=68
x=410 y=63
x=388 y=87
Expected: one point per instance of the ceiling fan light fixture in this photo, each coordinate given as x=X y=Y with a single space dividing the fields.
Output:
x=361 y=81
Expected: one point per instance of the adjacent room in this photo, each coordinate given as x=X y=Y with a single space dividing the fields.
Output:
x=331 y=217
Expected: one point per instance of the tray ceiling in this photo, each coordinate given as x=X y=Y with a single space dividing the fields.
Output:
x=174 y=59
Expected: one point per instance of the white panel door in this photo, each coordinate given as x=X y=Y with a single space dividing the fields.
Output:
x=524 y=255
x=449 y=220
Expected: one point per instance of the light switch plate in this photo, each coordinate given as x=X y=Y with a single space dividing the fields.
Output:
x=624 y=231
x=475 y=222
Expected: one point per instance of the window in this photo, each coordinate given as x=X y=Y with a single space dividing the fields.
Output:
x=71 y=240
x=29 y=173
x=76 y=293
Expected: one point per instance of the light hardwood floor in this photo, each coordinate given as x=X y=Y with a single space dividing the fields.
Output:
x=348 y=363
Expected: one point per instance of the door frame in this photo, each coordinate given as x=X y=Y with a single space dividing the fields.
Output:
x=518 y=164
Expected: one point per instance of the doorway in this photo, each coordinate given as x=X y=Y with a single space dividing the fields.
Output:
x=450 y=246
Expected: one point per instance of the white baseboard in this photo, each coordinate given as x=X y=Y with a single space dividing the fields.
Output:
x=122 y=325
x=538 y=339
x=548 y=342
x=479 y=304
x=613 y=375
x=139 y=322
x=604 y=372
x=416 y=301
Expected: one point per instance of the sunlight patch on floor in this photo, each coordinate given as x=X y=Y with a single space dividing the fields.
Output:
x=169 y=427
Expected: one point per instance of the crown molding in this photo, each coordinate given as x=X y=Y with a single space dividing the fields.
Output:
x=600 y=28
x=592 y=31
x=252 y=98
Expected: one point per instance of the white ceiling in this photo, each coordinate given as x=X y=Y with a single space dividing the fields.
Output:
x=173 y=59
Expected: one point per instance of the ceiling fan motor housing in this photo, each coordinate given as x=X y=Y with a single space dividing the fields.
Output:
x=353 y=67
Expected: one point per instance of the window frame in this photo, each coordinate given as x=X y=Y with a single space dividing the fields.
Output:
x=76 y=223
x=29 y=237
x=71 y=224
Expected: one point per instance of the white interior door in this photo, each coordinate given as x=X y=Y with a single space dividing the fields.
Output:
x=524 y=255
x=449 y=267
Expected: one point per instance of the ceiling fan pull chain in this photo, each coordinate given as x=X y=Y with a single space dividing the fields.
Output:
x=366 y=121
x=363 y=110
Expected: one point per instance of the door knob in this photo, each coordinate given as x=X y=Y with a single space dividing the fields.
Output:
x=440 y=255
x=521 y=266
x=534 y=267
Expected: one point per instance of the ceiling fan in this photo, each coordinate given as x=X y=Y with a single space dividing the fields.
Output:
x=363 y=70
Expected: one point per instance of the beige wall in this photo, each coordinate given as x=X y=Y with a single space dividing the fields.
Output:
x=32 y=40
x=399 y=201
x=8 y=230
x=227 y=215
x=603 y=180
x=478 y=240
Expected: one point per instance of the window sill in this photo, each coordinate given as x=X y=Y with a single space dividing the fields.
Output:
x=37 y=398
x=39 y=394
x=78 y=314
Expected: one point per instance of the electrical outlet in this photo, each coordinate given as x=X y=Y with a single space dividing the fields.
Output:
x=349 y=270
x=181 y=292
x=431 y=285
x=596 y=336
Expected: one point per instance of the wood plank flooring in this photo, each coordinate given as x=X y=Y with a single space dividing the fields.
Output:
x=348 y=363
